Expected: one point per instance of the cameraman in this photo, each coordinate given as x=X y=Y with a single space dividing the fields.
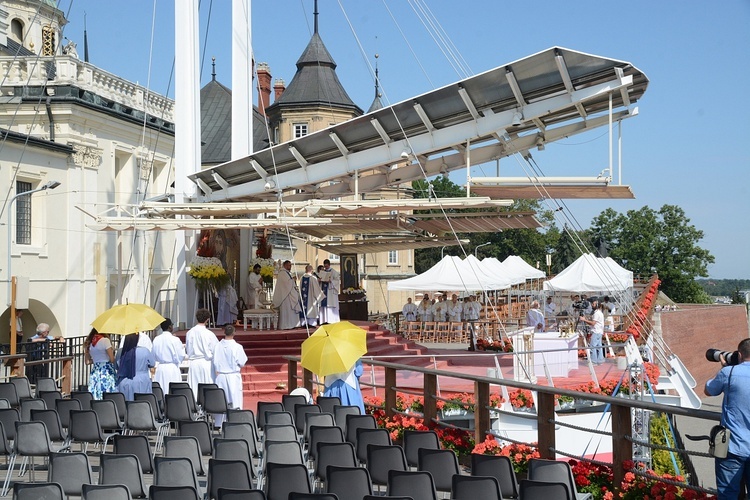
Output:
x=596 y=323
x=734 y=382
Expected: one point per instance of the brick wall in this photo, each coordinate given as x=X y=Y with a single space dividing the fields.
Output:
x=692 y=329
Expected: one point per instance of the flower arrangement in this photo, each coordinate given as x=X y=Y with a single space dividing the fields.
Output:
x=263 y=247
x=637 y=487
x=354 y=291
x=644 y=307
x=208 y=273
x=503 y=345
x=519 y=454
x=521 y=398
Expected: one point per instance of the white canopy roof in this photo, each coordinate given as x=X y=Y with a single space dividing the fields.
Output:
x=452 y=273
x=520 y=267
x=494 y=266
x=591 y=274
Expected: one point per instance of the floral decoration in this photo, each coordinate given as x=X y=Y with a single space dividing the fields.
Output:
x=644 y=306
x=208 y=273
x=264 y=249
x=519 y=454
x=503 y=345
x=353 y=291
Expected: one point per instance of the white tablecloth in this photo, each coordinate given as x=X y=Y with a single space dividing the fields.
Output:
x=559 y=363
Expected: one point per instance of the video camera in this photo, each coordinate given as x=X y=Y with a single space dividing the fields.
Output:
x=581 y=305
x=732 y=358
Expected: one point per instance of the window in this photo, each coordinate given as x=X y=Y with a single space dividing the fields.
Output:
x=23 y=214
x=300 y=130
x=16 y=29
x=392 y=257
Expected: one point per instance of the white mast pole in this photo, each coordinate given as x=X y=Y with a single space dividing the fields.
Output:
x=187 y=136
x=242 y=109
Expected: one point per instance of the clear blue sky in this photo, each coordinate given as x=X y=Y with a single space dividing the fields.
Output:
x=688 y=147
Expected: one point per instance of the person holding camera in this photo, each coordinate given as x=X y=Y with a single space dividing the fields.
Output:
x=734 y=382
x=596 y=353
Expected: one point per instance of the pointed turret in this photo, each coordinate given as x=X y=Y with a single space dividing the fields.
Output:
x=376 y=103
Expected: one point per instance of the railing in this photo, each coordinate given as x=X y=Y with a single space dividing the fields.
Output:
x=62 y=360
x=620 y=408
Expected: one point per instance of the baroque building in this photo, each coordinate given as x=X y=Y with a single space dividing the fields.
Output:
x=109 y=143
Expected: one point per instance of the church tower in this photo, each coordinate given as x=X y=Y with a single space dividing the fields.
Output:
x=314 y=99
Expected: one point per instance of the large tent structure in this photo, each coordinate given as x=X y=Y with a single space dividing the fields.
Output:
x=452 y=273
x=520 y=267
x=591 y=274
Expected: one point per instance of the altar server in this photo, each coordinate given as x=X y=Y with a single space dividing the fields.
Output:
x=254 y=287
x=169 y=353
x=330 y=280
x=199 y=345
x=229 y=358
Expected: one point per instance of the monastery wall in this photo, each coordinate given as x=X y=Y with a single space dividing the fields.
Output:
x=693 y=328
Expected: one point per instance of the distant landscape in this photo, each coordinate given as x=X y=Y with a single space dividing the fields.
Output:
x=723 y=288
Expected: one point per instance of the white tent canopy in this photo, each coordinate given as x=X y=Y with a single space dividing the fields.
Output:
x=492 y=265
x=453 y=274
x=520 y=267
x=591 y=274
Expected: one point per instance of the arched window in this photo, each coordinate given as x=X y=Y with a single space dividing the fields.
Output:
x=16 y=29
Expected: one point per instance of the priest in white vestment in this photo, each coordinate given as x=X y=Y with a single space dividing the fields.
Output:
x=409 y=312
x=424 y=311
x=330 y=283
x=169 y=353
x=286 y=298
x=199 y=345
x=311 y=294
x=535 y=317
x=254 y=287
x=229 y=358
x=454 y=309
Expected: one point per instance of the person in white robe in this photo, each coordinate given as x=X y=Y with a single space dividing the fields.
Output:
x=311 y=294
x=199 y=346
x=286 y=298
x=424 y=311
x=535 y=317
x=471 y=312
x=229 y=358
x=227 y=305
x=550 y=308
x=440 y=309
x=454 y=309
x=169 y=353
x=409 y=312
x=330 y=283
x=254 y=287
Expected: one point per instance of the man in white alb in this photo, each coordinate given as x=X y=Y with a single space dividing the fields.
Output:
x=330 y=283
x=471 y=314
x=424 y=310
x=311 y=294
x=254 y=287
x=169 y=353
x=286 y=298
x=454 y=309
x=550 y=309
x=440 y=308
x=199 y=345
x=409 y=312
x=229 y=358
x=535 y=317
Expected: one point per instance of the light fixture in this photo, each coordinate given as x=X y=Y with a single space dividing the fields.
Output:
x=406 y=153
x=269 y=185
x=517 y=117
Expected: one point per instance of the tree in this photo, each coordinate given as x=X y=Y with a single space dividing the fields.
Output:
x=664 y=242
x=566 y=251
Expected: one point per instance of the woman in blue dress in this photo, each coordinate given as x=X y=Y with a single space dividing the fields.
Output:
x=133 y=364
x=345 y=386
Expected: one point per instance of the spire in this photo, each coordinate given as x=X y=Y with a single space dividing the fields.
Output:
x=85 y=40
x=213 y=69
x=315 y=17
x=376 y=103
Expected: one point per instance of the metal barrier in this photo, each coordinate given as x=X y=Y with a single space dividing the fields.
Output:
x=621 y=417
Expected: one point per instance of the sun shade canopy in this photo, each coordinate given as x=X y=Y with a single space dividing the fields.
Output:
x=542 y=98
